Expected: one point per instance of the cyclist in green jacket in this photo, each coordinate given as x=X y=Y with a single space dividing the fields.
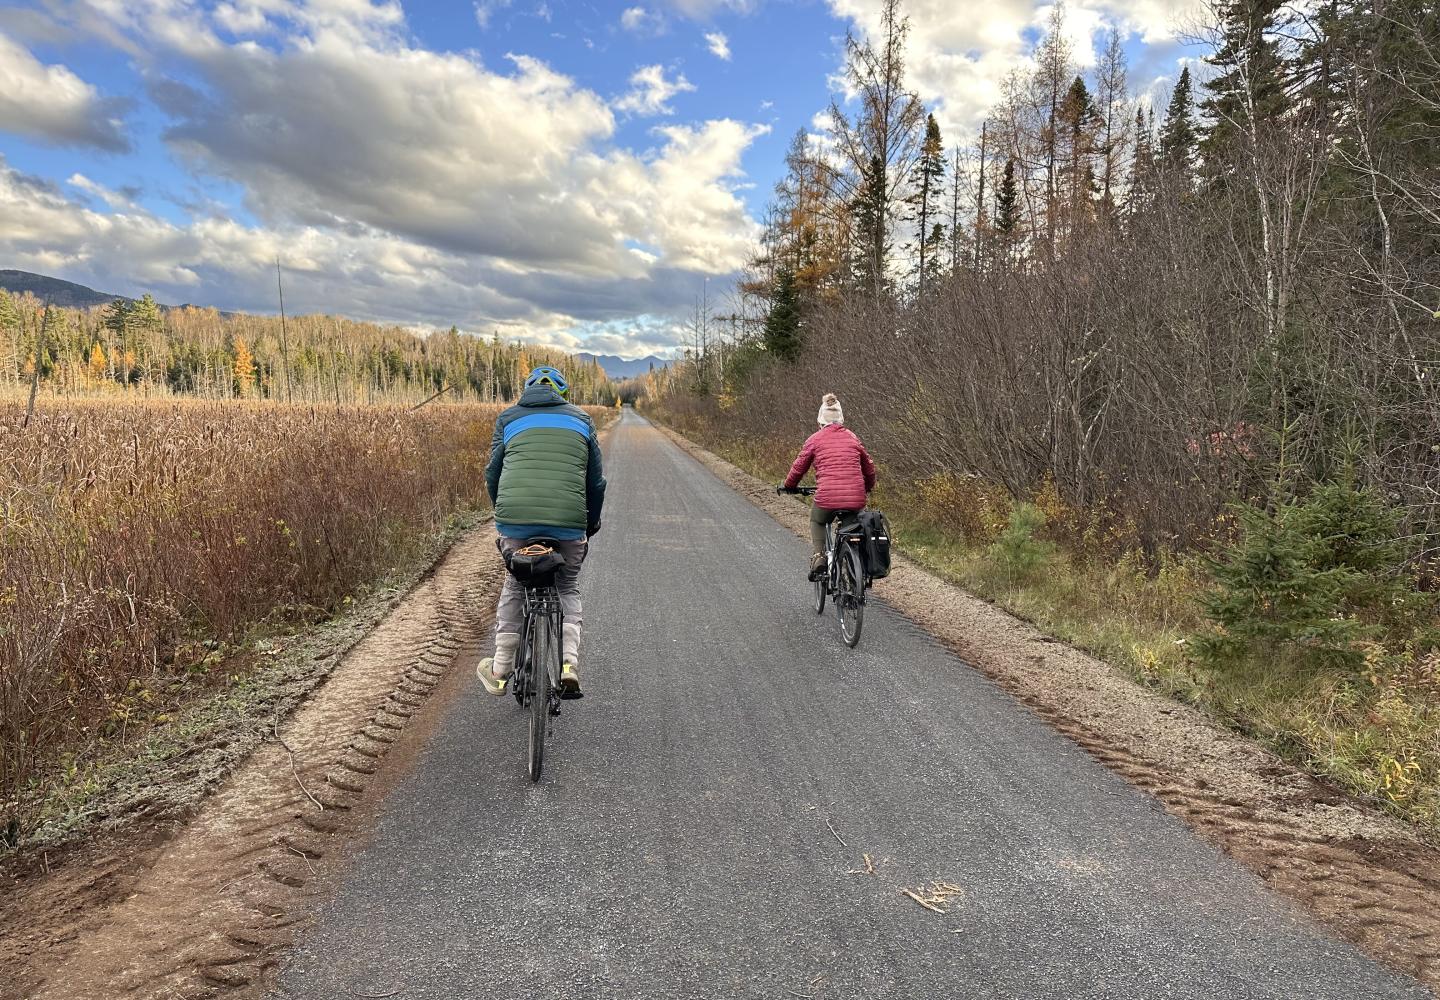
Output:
x=546 y=480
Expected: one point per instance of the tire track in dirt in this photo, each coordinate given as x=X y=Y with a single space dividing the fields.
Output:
x=209 y=912
x=1366 y=875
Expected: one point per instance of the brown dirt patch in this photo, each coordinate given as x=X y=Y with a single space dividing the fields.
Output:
x=205 y=908
x=1365 y=874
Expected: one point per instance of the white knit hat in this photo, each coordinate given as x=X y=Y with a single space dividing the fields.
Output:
x=830 y=412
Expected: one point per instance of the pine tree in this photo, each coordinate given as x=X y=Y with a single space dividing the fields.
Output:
x=145 y=314
x=116 y=319
x=10 y=332
x=1007 y=212
x=1142 y=168
x=1177 y=135
x=930 y=170
x=1007 y=201
x=782 y=325
x=871 y=231
x=1248 y=92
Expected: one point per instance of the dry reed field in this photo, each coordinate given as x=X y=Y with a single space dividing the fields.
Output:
x=137 y=538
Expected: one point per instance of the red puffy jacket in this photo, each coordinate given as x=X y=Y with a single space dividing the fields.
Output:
x=844 y=472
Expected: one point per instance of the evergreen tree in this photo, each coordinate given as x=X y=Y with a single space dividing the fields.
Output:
x=1248 y=92
x=145 y=314
x=10 y=334
x=1177 y=135
x=1007 y=213
x=116 y=317
x=871 y=231
x=782 y=325
x=1007 y=201
x=1142 y=169
x=930 y=171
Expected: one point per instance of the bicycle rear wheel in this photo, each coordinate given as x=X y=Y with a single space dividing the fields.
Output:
x=850 y=600
x=541 y=643
x=820 y=584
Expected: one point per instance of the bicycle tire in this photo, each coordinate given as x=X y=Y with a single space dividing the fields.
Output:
x=539 y=695
x=820 y=593
x=851 y=596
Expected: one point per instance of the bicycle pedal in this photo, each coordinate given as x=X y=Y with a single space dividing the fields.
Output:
x=568 y=694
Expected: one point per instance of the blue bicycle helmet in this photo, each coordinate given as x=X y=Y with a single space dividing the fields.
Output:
x=545 y=375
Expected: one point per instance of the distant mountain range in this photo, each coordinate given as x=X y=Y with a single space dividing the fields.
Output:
x=619 y=368
x=65 y=294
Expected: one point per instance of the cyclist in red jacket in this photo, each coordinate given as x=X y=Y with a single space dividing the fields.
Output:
x=844 y=475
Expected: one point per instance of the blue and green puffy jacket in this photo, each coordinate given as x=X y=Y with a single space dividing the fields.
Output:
x=545 y=474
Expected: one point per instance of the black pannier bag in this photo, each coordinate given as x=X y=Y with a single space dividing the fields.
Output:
x=876 y=546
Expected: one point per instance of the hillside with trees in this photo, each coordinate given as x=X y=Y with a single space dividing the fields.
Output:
x=1200 y=343
x=137 y=347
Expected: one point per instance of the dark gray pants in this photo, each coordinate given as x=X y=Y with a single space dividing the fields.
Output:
x=510 y=613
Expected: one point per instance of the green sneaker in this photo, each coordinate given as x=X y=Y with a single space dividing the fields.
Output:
x=493 y=685
x=569 y=681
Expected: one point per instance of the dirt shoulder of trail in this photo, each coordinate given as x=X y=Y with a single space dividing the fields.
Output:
x=172 y=896
x=1363 y=873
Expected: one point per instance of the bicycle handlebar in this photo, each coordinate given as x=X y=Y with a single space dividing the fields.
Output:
x=804 y=491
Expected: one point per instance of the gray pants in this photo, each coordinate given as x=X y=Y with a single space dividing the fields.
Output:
x=510 y=613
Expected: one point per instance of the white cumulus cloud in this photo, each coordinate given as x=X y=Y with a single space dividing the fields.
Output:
x=53 y=105
x=397 y=183
x=641 y=21
x=719 y=45
x=650 y=92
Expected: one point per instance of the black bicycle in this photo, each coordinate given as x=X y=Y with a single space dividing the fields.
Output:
x=844 y=580
x=538 y=660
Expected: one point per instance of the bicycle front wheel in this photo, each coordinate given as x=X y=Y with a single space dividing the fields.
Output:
x=850 y=599
x=820 y=584
x=541 y=644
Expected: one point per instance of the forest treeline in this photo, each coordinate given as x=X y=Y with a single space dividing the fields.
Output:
x=1164 y=311
x=1199 y=342
x=143 y=349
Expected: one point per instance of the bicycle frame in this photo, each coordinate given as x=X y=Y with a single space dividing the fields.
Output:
x=541 y=602
x=832 y=564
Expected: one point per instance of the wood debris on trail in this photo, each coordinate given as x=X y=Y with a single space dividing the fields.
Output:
x=937 y=898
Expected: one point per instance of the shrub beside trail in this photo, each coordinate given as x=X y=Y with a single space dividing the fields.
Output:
x=142 y=542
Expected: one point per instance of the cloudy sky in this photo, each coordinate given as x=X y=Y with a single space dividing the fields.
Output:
x=568 y=172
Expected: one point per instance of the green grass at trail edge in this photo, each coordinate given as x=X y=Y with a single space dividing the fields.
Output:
x=1366 y=738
